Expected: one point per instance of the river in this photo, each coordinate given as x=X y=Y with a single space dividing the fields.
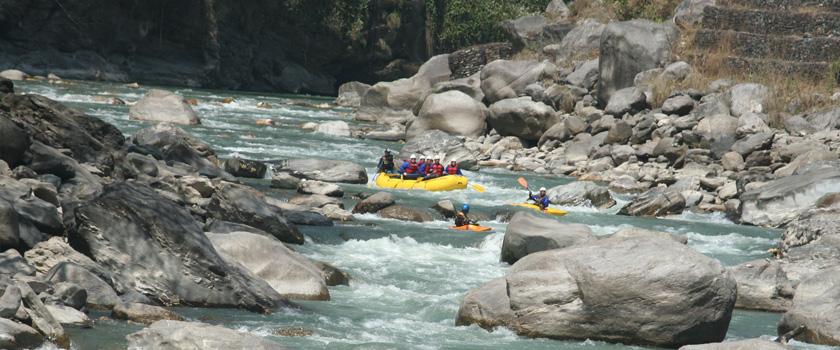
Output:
x=407 y=279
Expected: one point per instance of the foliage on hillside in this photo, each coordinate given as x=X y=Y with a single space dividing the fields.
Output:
x=623 y=10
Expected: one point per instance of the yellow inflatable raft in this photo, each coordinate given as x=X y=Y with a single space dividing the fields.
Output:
x=549 y=211
x=443 y=183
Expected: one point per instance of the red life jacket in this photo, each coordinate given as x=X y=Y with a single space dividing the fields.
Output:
x=452 y=170
x=412 y=167
x=437 y=169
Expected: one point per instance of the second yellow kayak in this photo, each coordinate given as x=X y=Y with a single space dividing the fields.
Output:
x=549 y=210
x=443 y=183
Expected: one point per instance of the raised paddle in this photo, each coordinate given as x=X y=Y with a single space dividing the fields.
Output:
x=479 y=188
x=523 y=183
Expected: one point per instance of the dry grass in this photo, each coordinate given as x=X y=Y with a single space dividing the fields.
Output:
x=791 y=93
x=622 y=10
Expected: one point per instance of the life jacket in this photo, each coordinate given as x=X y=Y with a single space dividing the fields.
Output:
x=388 y=162
x=436 y=169
x=452 y=170
x=412 y=168
x=421 y=167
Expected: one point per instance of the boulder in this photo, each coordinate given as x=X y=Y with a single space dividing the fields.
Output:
x=582 y=42
x=446 y=208
x=748 y=98
x=41 y=318
x=324 y=170
x=628 y=184
x=751 y=123
x=690 y=13
x=245 y=205
x=15 y=142
x=46 y=255
x=813 y=156
x=619 y=133
x=528 y=233
x=290 y=274
x=623 y=290
x=815 y=307
x=404 y=213
x=520 y=117
x=678 y=105
x=100 y=294
x=452 y=111
x=748 y=344
x=718 y=133
x=315 y=201
x=194 y=335
x=374 y=203
x=626 y=100
x=350 y=94
x=732 y=161
x=319 y=187
x=170 y=143
x=285 y=181
x=585 y=75
x=581 y=193
x=9 y=226
x=163 y=107
x=487 y=306
x=138 y=235
x=142 y=313
x=12 y=263
x=763 y=285
x=657 y=201
x=338 y=128
x=534 y=31
x=14 y=335
x=392 y=102
x=628 y=48
x=504 y=79
x=70 y=294
x=639 y=232
x=245 y=168
x=556 y=10
x=9 y=301
x=332 y=275
x=68 y=316
x=779 y=201
x=810 y=226
x=13 y=74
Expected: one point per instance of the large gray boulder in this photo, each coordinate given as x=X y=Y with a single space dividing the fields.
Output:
x=521 y=117
x=245 y=205
x=13 y=74
x=289 y=273
x=142 y=313
x=136 y=234
x=585 y=75
x=9 y=226
x=779 y=201
x=403 y=213
x=487 y=306
x=374 y=203
x=718 y=133
x=11 y=263
x=14 y=335
x=15 y=142
x=453 y=112
x=646 y=291
x=324 y=170
x=100 y=294
x=627 y=100
x=350 y=94
x=748 y=344
x=815 y=307
x=628 y=48
x=392 y=102
x=657 y=201
x=581 y=193
x=763 y=285
x=195 y=335
x=748 y=98
x=163 y=107
x=529 y=233
x=503 y=79
x=582 y=41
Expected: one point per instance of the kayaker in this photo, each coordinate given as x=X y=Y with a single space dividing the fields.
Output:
x=452 y=168
x=409 y=168
x=462 y=218
x=540 y=199
x=386 y=163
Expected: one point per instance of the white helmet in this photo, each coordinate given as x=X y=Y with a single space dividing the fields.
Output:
x=452 y=161
x=413 y=156
x=542 y=189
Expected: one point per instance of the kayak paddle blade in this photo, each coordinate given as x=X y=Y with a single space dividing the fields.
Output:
x=523 y=182
x=479 y=188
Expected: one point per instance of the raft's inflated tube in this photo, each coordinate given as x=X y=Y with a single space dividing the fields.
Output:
x=443 y=183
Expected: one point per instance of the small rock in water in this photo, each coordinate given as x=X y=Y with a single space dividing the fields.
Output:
x=264 y=105
x=227 y=100
x=293 y=332
x=133 y=85
x=265 y=122
x=191 y=101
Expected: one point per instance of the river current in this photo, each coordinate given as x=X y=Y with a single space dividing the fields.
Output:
x=407 y=279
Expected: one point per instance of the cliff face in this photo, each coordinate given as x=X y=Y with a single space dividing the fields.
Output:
x=289 y=45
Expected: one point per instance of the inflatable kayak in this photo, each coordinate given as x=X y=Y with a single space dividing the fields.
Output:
x=549 y=211
x=443 y=183
x=473 y=228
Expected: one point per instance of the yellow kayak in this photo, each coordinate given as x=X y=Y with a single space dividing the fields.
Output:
x=473 y=228
x=549 y=210
x=443 y=183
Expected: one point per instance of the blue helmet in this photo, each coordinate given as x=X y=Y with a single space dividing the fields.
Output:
x=466 y=208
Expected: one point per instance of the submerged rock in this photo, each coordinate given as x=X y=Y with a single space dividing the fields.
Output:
x=163 y=106
x=195 y=335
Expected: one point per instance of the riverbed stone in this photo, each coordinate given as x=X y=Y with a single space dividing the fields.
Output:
x=748 y=344
x=245 y=205
x=289 y=273
x=169 y=334
x=100 y=294
x=324 y=170
x=521 y=117
x=142 y=313
x=581 y=193
x=320 y=187
x=780 y=201
x=748 y=98
x=626 y=100
x=15 y=335
x=245 y=168
x=452 y=111
x=657 y=201
x=815 y=307
x=487 y=306
x=528 y=233
x=163 y=106
x=350 y=93
x=404 y=213
x=374 y=203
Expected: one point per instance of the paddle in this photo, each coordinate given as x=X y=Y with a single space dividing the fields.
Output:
x=479 y=188
x=523 y=183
